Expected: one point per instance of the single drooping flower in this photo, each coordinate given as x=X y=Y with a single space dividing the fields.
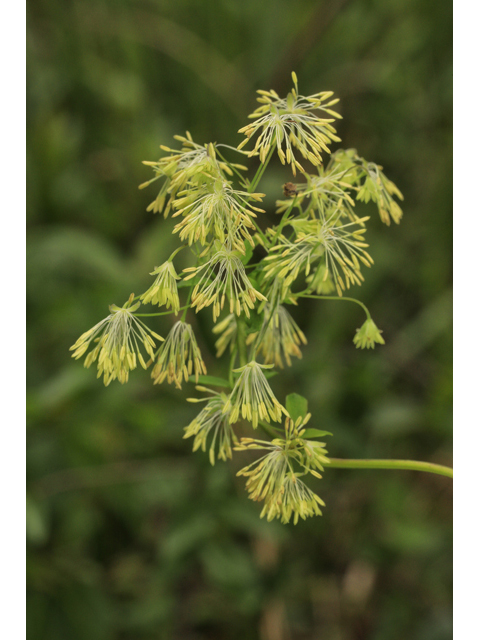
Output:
x=281 y=337
x=368 y=335
x=212 y=421
x=292 y=123
x=164 y=290
x=223 y=276
x=193 y=163
x=215 y=211
x=118 y=338
x=179 y=357
x=252 y=397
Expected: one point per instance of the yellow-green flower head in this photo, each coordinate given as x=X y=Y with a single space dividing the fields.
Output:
x=222 y=277
x=192 y=163
x=272 y=477
x=322 y=192
x=227 y=329
x=292 y=122
x=118 y=338
x=293 y=498
x=164 y=289
x=368 y=335
x=341 y=245
x=380 y=189
x=179 y=357
x=212 y=421
x=267 y=474
x=368 y=179
x=252 y=397
x=282 y=337
x=214 y=210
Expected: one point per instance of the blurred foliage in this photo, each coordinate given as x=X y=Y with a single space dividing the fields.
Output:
x=131 y=536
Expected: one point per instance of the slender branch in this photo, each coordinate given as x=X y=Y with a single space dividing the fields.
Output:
x=316 y=297
x=242 y=351
x=162 y=313
x=283 y=222
x=412 y=465
x=261 y=170
x=273 y=432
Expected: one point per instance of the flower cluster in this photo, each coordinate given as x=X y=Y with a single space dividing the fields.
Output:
x=273 y=479
x=249 y=273
x=212 y=421
x=221 y=277
x=280 y=337
x=292 y=123
x=252 y=397
x=117 y=341
x=179 y=357
x=164 y=290
x=215 y=211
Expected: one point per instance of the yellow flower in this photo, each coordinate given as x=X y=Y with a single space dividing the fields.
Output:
x=118 y=338
x=368 y=335
x=213 y=210
x=272 y=477
x=341 y=247
x=292 y=498
x=252 y=396
x=194 y=162
x=223 y=276
x=292 y=122
x=164 y=289
x=212 y=421
x=282 y=337
x=179 y=357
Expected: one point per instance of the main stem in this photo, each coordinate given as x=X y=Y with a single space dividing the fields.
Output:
x=412 y=465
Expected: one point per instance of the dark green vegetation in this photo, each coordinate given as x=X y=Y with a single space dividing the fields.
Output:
x=131 y=536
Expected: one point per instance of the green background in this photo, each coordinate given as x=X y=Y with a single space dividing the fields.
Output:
x=130 y=535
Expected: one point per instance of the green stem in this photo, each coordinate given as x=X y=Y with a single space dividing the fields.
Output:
x=184 y=315
x=175 y=252
x=163 y=313
x=232 y=366
x=260 y=171
x=241 y=336
x=271 y=431
x=316 y=297
x=283 y=221
x=413 y=465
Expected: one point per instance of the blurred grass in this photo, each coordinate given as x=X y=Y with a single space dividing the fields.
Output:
x=130 y=535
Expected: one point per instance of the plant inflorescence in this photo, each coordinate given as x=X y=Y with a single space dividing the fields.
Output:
x=317 y=249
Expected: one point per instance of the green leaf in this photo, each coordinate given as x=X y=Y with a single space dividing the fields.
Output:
x=315 y=433
x=217 y=382
x=296 y=405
